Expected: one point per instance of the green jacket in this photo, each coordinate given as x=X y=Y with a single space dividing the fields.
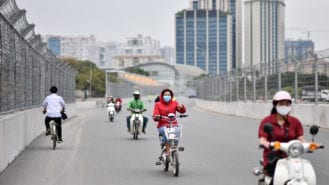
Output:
x=136 y=104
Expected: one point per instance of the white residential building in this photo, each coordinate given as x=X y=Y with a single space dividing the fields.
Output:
x=264 y=32
x=137 y=50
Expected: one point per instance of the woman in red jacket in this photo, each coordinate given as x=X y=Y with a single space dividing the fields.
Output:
x=165 y=106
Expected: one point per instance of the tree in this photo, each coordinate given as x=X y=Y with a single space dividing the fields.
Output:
x=87 y=69
x=138 y=70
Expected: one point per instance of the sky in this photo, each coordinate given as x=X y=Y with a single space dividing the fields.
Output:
x=115 y=20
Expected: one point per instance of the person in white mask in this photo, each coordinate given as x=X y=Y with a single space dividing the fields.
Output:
x=285 y=128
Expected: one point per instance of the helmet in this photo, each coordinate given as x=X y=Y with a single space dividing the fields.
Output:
x=136 y=93
x=281 y=95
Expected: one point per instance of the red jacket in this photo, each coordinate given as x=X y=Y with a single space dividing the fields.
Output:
x=164 y=108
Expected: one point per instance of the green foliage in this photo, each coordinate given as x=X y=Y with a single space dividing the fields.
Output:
x=137 y=70
x=113 y=77
x=87 y=70
x=180 y=13
x=200 y=77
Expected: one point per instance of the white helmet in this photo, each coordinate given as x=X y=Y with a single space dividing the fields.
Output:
x=136 y=93
x=281 y=95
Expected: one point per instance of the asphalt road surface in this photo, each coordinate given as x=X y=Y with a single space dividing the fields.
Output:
x=219 y=149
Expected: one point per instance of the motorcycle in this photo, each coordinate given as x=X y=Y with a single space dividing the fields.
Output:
x=136 y=122
x=173 y=134
x=110 y=111
x=117 y=107
x=293 y=170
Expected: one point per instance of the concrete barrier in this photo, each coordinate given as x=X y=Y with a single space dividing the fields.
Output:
x=19 y=129
x=307 y=113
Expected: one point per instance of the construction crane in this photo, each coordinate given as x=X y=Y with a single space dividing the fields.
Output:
x=308 y=32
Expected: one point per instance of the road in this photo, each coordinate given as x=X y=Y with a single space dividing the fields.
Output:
x=219 y=149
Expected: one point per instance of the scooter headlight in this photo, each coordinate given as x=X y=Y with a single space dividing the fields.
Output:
x=295 y=149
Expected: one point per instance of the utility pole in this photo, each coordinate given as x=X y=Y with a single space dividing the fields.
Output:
x=90 y=79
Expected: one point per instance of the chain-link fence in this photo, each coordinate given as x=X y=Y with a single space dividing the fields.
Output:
x=306 y=81
x=28 y=69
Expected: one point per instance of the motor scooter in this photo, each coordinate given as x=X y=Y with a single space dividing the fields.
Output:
x=110 y=111
x=136 y=122
x=293 y=170
x=173 y=134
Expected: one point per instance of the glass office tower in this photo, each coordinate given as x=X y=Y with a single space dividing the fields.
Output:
x=207 y=35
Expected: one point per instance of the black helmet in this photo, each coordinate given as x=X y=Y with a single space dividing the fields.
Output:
x=53 y=89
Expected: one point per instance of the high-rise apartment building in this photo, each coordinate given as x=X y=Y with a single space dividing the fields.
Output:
x=82 y=48
x=54 y=44
x=137 y=50
x=264 y=32
x=168 y=53
x=298 y=49
x=208 y=35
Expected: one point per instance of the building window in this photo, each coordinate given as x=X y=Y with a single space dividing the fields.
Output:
x=135 y=61
x=128 y=51
x=121 y=63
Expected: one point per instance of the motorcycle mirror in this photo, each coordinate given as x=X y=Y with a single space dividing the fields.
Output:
x=314 y=129
x=268 y=128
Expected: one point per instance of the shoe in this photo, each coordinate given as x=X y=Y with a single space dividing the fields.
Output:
x=60 y=140
x=47 y=133
x=143 y=130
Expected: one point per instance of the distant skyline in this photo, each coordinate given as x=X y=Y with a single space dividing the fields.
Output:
x=115 y=20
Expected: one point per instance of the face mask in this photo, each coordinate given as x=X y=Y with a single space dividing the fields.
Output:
x=283 y=110
x=166 y=98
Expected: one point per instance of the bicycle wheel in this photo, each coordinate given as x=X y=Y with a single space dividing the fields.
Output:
x=175 y=162
x=54 y=138
x=165 y=161
x=54 y=134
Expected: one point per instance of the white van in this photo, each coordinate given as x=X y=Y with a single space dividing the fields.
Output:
x=324 y=95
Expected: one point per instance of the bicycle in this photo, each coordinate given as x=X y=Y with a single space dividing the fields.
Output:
x=173 y=138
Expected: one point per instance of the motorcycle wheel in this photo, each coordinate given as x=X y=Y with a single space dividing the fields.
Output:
x=111 y=119
x=175 y=163
x=136 y=136
x=136 y=127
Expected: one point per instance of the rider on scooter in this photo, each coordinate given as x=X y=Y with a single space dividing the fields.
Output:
x=285 y=128
x=163 y=107
x=118 y=103
x=136 y=103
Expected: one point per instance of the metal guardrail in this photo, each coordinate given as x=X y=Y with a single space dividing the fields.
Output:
x=260 y=82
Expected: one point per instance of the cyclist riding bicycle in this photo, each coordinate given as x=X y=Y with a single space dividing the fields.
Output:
x=54 y=107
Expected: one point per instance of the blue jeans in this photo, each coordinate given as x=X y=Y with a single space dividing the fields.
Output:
x=162 y=133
